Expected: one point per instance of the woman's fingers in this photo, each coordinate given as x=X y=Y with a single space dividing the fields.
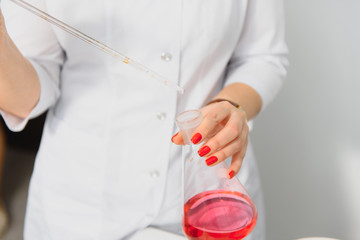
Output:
x=236 y=149
x=232 y=130
x=177 y=139
x=214 y=115
x=236 y=162
x=238 y=145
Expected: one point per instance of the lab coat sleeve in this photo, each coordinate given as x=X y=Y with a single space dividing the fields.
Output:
x=36 y=40
x=260 y=58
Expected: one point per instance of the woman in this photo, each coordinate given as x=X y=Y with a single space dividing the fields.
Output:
x=106 y=167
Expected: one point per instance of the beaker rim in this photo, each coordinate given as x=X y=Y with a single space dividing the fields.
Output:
x=187 y=118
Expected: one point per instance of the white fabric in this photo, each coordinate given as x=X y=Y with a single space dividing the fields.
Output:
x=156 y=234
x=106 y=166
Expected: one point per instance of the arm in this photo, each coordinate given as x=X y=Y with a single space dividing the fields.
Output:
x=30 y=64
x=19 y=83
x=254 y=75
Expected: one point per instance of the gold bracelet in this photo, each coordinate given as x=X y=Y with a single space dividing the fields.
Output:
x=223 y=99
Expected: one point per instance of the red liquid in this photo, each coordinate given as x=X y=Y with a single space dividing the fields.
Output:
x=219 y=214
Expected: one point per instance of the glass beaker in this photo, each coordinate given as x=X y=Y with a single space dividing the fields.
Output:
x=215 y=207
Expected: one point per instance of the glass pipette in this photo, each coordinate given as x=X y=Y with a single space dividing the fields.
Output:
x=97 y=44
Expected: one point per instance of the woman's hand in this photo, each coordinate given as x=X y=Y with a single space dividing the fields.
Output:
x=223 y=133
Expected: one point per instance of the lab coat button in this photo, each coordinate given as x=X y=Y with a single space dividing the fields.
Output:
x=161 y=116
x=154 y=174
x=166 y=56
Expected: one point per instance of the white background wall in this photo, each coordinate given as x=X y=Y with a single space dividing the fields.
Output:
x=308 y=141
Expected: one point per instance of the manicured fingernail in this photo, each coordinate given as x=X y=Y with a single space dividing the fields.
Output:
x=231 y=174
x=203 y=151
x=172 y=139
x=196 y=138
x=211 y=160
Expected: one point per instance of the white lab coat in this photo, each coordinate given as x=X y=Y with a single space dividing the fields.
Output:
x=106 y=166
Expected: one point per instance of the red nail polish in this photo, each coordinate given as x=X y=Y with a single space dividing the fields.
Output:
x=196 y=138
x=203 y=151
x=231 y=174
x=172 y=139
x=211 y=160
